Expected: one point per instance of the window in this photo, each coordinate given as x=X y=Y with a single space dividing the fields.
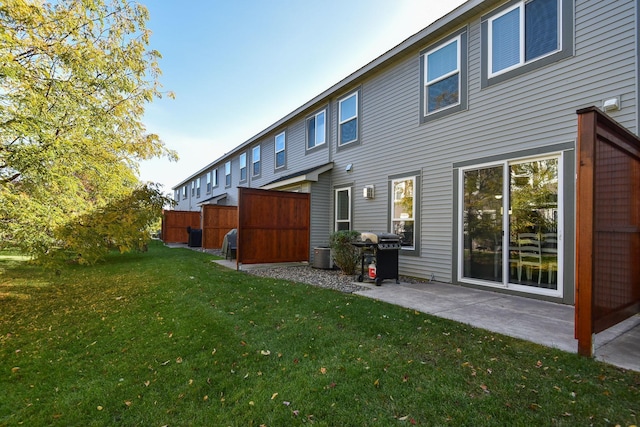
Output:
x=348 y=119
x=243 y=167
x=442 y=77
x=403 y=210
x=227 y=174
x=198 y=187
x=515 y=205
x=176 y=195
x=524 y=35
x=214 y=178
x=208 y=183
x=280 y=150
x=316 y=130
x=193 y=188
x=184 y=192
x=255 y=160
x=343 y=209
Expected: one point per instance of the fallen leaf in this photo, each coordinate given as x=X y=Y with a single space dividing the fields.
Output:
x=265 y=352
x=323 y=371
x=274 y=395
x=15 y=369
x=100 y=408
x=179 y=360
x=205 y=398
x=127 y=403
x=146 y=383
x=376 y=383
x=285 y=403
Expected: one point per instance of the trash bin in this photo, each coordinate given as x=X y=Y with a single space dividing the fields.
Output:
x=322 y=258
x=195 y=238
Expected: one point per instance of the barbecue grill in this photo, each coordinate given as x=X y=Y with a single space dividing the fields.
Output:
x=380 y=249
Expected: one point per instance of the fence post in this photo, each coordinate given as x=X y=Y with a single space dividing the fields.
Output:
x=584 y=225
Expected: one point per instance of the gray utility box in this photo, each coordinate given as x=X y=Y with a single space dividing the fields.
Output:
x=322 y=258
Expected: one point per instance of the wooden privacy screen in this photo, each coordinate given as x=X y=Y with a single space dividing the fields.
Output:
x=608 y=226
x=175 y=223
x=273 y=226
x=216 y=222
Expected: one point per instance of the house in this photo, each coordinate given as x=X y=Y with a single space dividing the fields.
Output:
x=461 y=139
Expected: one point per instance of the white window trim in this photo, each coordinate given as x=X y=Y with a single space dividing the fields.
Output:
x=505 y=284
x=254 y=161
x=315 y=117
x=284 y=149
x=243 y=158
x=521 y=61
x=413 y=208
x=341 y=122
x=227 y=167
x=214 y=178
x=458 y=71
x=336 y=220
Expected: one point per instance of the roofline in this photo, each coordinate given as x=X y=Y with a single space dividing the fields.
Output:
x=448 y=22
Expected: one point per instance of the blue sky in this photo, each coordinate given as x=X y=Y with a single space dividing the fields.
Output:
x=237 y=66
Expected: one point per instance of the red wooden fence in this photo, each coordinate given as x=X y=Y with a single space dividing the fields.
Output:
x=273 y=226
x=175 y=223
x=216 y=222
x=608 y=226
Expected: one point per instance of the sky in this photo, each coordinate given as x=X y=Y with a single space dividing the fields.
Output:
x=238 y=66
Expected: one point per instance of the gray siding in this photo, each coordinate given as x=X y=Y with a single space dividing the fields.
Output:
x=533 y=112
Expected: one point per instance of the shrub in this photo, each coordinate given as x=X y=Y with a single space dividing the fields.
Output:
x=345 y=255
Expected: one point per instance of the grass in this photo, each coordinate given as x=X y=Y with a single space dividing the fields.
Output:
x=169 y=338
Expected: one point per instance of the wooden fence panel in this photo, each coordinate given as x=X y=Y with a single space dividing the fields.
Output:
x=175 y=223
x=216 y=223
x=608 y=225
x=273 y=226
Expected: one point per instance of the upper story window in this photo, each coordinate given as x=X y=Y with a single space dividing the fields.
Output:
x=255 y=160
x=444 y=76
x=227 y=174
x=198 y=181
x=348 y=119
x=280 y=150
x=193 y=188
x=208 y=183
x=184 y=192
x=176 y=195
x=316 y=129
x=524 y=35
x=243 y=167
x=214 y=178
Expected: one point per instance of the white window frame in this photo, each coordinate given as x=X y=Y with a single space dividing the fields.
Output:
x=413 y=208
x=255 y=162
x=243 y=167
x=227 y=174
x=348 y=220
x=198 y=185
x=214 y=178
x=505 y=284
x=457 y=71
x=208 y=183
x=283 y=150
x=522 y=61
x=193 y=188
x=184 y=191
x=355 y=116
x=315 y=129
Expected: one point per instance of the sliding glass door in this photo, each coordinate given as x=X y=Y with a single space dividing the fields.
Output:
x=510 y=220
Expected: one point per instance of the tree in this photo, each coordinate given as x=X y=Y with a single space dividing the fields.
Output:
x=75 y=76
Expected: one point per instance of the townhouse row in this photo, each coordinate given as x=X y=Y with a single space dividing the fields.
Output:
x=461 y=140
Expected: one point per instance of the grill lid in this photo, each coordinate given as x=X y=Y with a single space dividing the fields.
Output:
x=372 y=237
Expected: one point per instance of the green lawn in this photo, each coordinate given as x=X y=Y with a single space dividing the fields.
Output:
x=169 y=338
